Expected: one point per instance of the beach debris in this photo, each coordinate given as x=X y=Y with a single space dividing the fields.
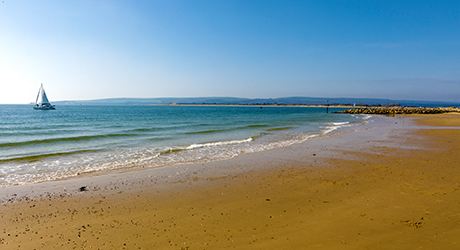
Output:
x=414 y=224
x=82 y=189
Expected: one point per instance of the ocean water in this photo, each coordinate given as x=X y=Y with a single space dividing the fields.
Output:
x=42 y=145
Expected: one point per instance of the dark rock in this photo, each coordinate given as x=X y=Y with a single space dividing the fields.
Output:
x=399 y=110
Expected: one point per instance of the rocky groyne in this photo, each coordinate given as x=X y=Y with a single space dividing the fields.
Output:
x=399 y=110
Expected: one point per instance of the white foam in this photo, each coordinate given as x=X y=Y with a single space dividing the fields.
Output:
x=340 y=123
x=219 y=143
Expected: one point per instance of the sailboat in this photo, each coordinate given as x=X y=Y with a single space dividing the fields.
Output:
x=42 y=101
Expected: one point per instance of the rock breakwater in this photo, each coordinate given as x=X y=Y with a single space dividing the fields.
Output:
x=400 y=110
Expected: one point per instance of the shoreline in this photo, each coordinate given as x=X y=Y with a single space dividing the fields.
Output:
x=381 y=187
x=69 y=186
x=150 y=136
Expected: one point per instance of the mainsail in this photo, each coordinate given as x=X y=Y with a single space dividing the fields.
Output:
x=41 y=97
x=42 y=101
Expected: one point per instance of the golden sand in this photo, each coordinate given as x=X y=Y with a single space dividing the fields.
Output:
x=405 y=196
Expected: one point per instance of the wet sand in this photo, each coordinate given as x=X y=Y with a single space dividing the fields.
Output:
x=389 y=187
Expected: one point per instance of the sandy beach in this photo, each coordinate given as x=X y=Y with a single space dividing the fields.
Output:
x=393 y=186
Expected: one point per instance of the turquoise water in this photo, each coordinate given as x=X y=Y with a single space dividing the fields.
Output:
x=38 y=145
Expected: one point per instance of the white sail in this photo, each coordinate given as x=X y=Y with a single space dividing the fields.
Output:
x=41 y=97
x=42 y=101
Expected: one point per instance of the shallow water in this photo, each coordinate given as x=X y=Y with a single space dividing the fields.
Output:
x=38 y=145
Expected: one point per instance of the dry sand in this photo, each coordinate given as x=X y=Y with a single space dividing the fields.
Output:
x=390 y=187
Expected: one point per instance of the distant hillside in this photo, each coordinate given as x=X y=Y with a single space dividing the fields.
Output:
x=257 y=101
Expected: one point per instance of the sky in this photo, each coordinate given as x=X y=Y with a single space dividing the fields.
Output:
x=94 y=49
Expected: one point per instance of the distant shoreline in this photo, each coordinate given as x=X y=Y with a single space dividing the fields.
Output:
x=351 y=109
x=283 y=102
x=262 y=105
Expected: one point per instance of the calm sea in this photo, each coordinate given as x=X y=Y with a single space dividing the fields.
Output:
x=40 y=145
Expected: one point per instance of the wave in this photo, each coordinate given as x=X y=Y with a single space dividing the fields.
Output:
x=229 y=129
x=219 y=143
x=278 y=129
x=362 y=116
x=258 y=135
x=16 y=134
x=158 y=138
x=33 y=158
x=64 y=139
x=204 y=145
x=208 y=131
x=339 y=123
x=33 y=128
x=254 y=126
x=146 y=129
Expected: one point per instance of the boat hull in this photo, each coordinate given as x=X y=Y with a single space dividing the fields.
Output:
x=44 y=107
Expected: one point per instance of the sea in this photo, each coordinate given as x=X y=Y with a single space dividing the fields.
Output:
x=44 y=145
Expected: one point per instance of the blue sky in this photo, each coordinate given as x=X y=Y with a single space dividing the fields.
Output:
x=90 y=49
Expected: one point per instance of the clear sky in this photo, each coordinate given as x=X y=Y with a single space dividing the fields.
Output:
x=91 y=49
